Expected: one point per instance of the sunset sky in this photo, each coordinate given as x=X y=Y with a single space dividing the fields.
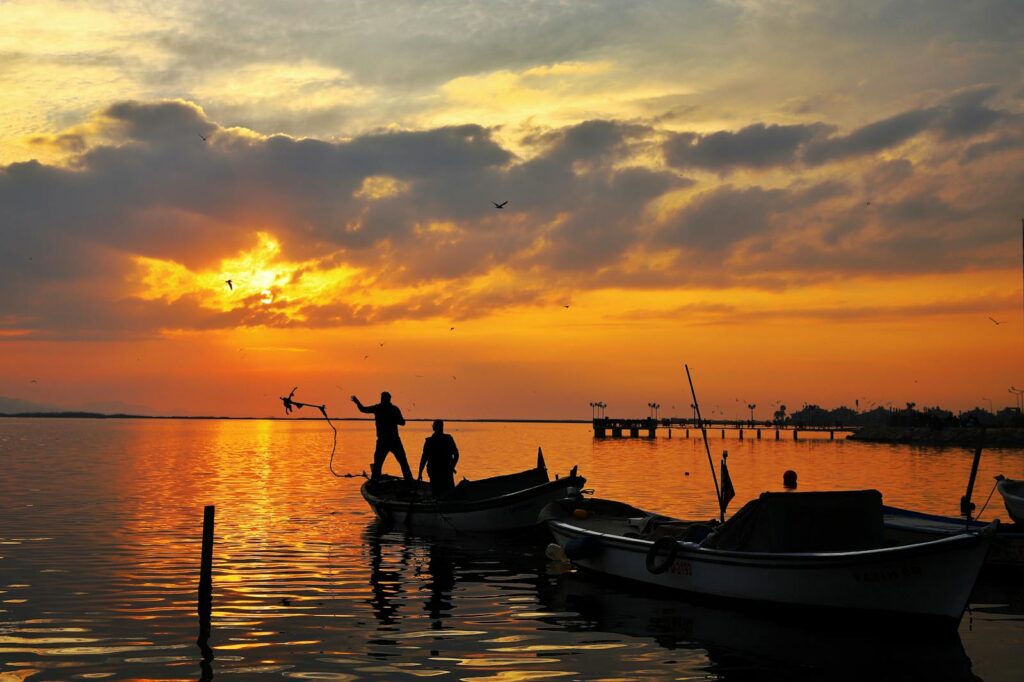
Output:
x=807 y=201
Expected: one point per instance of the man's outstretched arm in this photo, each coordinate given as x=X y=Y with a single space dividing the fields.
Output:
x=401 y=419
x=362 y=408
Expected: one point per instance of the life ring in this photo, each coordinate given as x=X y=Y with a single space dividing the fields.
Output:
x=668 y=547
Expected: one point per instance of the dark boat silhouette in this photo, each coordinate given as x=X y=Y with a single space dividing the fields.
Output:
x=500 y=503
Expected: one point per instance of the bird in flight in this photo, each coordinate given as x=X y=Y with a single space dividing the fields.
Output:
x=365 y=357
x=995 y=321
x=867 y=203
x=451 y=329
x=202 y=137
x=566 y=305
x=381 y=344
x=33 y=382
x=231 y=287
x=501 y=205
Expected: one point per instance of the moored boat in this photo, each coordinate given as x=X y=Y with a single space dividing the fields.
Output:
x=1013 y=497
x=821 y=549
x=904 y=526
x=500 y=503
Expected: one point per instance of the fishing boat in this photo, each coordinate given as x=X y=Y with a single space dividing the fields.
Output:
x=905 y=526
x=1013 y=497
x=822 y=550
x=500 y=503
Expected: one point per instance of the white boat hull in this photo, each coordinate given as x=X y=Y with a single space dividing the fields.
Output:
x=932 y=579
x=1013 y=498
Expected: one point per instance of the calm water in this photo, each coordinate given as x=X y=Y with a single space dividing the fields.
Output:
x=100 y=525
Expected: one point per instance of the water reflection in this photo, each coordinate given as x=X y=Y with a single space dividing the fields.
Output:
x=100 y=526
x=744 y=645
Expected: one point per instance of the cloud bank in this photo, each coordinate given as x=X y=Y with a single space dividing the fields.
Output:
x=135 y=229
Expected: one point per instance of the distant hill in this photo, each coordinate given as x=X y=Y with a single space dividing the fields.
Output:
x=15 y=406
x=117 y=407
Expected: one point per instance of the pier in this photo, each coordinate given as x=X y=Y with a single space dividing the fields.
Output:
x=648 y=428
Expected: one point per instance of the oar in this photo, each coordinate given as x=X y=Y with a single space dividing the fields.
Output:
x=704 y=433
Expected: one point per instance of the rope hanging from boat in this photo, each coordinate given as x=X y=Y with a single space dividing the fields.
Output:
x=988 y=499
x=290 y=404
x=704 y=434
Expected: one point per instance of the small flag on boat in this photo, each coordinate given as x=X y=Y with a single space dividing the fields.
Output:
x=728 y=492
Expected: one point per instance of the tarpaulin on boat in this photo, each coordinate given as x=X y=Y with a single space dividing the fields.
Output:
x=804 y=522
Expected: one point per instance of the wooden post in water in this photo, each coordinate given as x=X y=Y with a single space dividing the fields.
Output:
x=759 y=434
x=776 y=434
x=794 y=433
x=831 y=435
x=723 y=433
x=687 y=433
x=205 y=605
x=741 y=434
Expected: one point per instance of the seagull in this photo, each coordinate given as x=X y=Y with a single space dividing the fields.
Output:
x=995 y=321
x=33 y=382
x=202 y=137
x=501 y=205
x=453 y=377
x=365 y=357
x=451 y=329
x=231 y=287
x=381 y=344
x=566 y=305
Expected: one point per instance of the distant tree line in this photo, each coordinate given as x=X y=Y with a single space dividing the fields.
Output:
x=931 y=417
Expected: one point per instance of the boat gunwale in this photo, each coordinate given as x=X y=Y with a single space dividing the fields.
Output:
x=449 y=507
x=897 y=514
x=796 y=560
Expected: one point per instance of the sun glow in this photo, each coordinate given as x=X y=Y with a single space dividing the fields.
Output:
x=258 y=276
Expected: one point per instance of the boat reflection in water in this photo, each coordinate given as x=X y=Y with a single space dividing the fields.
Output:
x=747 y=645
x=490 y=606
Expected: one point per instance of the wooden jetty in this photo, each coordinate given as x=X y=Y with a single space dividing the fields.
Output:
x=633 y=428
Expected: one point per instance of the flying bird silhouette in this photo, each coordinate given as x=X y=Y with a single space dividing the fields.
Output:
x=231 y=286
x=365 y=357
x=566 y=305
x=33 y=382
x=381 y=344
x=501 y=205
x=995 y=321
x=451 y=329
x=203 y=137
x=867 y=203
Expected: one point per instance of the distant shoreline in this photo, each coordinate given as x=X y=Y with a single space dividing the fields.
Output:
x=99 y=415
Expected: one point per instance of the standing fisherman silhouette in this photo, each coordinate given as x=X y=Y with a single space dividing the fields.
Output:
x=387 y=418
x=440 y=455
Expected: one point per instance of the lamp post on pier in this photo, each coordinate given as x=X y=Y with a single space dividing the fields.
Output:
x=751 y=406
x=1018 y=394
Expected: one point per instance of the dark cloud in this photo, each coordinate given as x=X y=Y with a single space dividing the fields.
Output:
x=756 y=146
x=964 y=115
